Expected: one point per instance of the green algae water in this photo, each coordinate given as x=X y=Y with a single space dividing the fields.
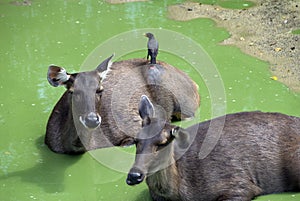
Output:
x=66 y=33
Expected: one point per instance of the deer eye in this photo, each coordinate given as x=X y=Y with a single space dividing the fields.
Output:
x=162 y=144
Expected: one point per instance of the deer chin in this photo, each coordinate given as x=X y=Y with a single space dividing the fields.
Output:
x=90 y=125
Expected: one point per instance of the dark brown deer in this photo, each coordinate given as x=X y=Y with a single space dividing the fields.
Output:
x=256 y=153
x=95 y=112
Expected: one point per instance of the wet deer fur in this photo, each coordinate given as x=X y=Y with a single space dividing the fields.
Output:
x=113 y=103
x=257 y=153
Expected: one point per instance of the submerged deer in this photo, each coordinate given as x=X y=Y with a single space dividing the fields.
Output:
x=99 y=107
x=257 y=153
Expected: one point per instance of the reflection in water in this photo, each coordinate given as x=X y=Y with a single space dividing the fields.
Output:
x=135 y=15
x=64 y=33
x=46 y=174
x=7 y=157
x=132 y=14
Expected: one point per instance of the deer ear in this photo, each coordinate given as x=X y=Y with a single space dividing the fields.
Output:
x=57 y=76
x=146 y=109
x=182 y=137
x=104 y=66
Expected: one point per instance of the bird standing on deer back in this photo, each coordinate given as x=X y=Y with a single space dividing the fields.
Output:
x=152 y=46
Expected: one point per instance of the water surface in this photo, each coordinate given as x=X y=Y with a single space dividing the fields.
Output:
x=66 y=33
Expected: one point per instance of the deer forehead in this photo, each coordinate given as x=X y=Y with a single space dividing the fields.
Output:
x=87 y=79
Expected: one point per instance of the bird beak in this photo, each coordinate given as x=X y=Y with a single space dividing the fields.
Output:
x=145 y=35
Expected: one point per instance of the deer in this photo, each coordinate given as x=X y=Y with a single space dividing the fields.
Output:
x=99 y=107
x=256 y=153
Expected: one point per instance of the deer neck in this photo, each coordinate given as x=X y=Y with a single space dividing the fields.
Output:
x=165 y=182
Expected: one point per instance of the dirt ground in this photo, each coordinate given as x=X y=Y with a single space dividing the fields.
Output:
x=263 y=31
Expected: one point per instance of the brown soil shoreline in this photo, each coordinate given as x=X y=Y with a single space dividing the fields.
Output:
x=263 y=31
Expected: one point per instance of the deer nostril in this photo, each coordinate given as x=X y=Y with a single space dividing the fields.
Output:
x=134 y=178
x=92 y=120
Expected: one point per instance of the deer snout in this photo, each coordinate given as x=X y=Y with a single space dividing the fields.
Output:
x=90 y=121
x=134 y=177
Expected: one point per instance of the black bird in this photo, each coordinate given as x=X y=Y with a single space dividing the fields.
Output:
x=152 y=48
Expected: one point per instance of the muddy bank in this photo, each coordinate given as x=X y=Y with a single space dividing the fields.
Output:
x=263 y=31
